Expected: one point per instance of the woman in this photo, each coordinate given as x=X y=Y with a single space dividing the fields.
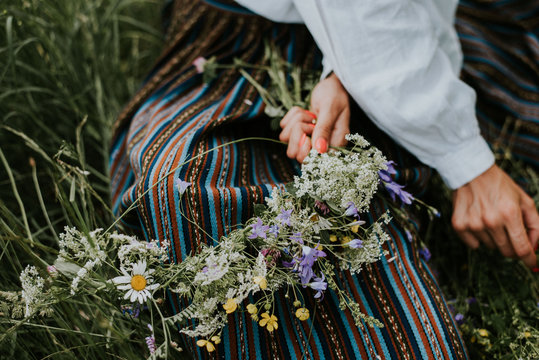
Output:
x=175 y=116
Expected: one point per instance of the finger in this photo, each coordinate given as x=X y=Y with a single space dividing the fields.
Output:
x=469 y=239
x=485 y=238
x=296 y=114
x=293 y=112
x=341 y=129
x=324 y=127
x=304 y=149
x=296 y=136
x=531 y=218
x=518 y=236
x=287 y=130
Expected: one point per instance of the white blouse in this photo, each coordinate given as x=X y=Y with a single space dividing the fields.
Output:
x=400 y=61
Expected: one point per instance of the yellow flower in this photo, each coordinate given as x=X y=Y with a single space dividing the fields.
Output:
x=319 y=247
x=483 y=332
x=302 y=314
x=216 y=339
x=332 y=238
x=472 y=339
x=346 y=240
x=297 y=303
x=230 y=306
x=208 y=344
x=261 y=281
x=270 y=322
x=355 y=228
x=527 y=334
x=252 y=309
x=254 y=317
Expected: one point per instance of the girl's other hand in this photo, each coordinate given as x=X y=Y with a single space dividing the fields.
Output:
x=330 y=104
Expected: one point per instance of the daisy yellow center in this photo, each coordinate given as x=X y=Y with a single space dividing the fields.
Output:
x=138 y=282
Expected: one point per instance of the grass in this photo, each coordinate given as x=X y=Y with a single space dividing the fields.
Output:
x=66 y=69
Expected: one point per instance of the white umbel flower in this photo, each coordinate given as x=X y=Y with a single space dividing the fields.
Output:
x=139 y=283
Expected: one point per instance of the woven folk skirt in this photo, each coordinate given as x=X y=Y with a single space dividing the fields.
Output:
x=176 y=116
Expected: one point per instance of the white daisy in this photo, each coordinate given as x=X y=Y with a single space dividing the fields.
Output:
x=139 y=283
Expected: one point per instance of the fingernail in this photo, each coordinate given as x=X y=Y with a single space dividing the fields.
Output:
x=535 y=269
x=312 y=125
x=321 y=145
x=311 y=114
x=302 y=139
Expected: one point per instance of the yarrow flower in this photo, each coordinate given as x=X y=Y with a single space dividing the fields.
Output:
x=138 y=283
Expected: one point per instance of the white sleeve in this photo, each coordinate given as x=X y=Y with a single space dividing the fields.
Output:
x=387 y=55
x=275 y=10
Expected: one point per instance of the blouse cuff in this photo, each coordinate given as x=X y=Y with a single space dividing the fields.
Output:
x=326 y=68
x=468 y=161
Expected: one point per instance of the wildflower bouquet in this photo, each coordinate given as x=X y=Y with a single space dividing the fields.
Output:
x=297 y=240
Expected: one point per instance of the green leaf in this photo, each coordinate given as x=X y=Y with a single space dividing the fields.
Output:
x=260 y=209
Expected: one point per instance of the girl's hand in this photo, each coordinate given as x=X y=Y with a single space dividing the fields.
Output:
x=492 y=209
x=330 y=104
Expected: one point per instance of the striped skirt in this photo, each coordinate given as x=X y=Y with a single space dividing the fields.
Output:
x=175 y=116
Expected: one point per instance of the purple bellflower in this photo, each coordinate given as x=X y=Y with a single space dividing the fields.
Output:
x=284 y=217
x=320 y=285
x=181 y=185
x=259 y=230
x=296 y=237
x=425 y=253
x=395 y=190
x=355 y=244
x=391 y=186
x=351 y=210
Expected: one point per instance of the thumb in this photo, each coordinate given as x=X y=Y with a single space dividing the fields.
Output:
x=322 y=131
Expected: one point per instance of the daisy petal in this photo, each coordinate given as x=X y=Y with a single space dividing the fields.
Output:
x=124 y=287
x=152 y=286
x=142 y=267
x=134 y=296
x=122 y=279
x=128 y=294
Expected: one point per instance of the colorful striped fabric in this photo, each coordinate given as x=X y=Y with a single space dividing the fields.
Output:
x=500 y=41
x=175 y=118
